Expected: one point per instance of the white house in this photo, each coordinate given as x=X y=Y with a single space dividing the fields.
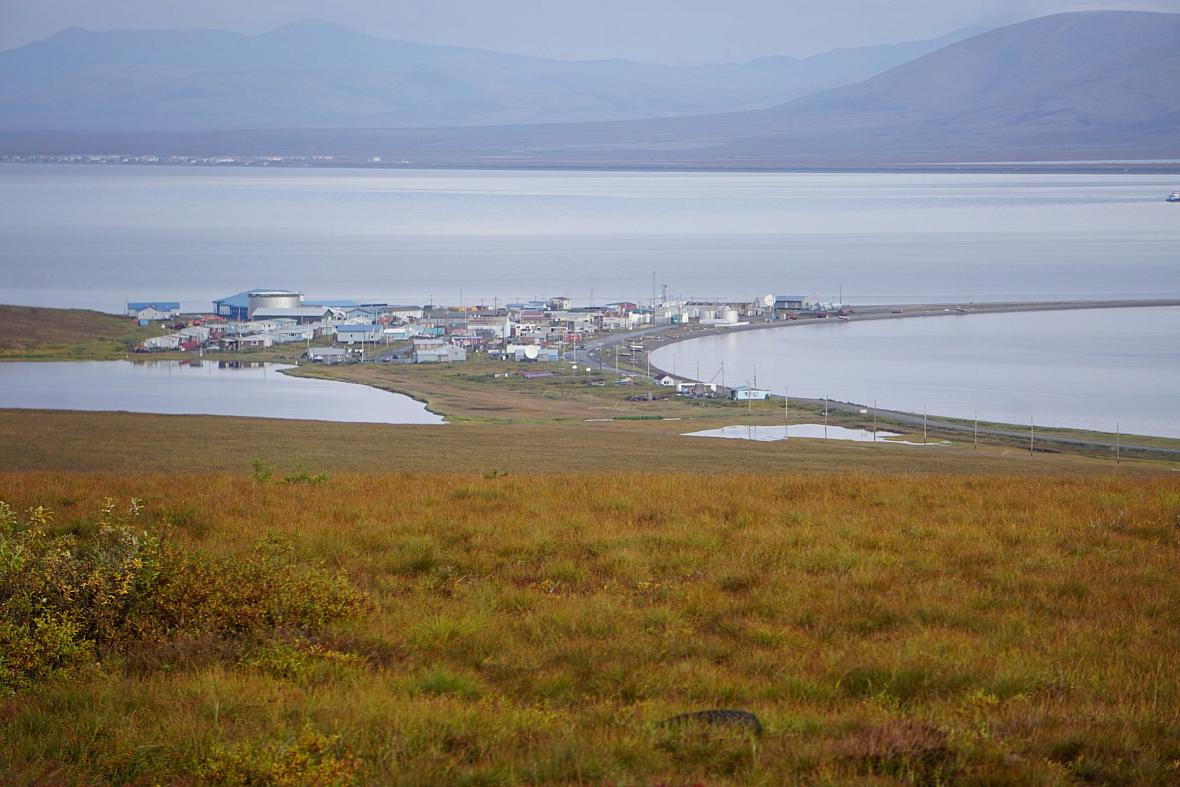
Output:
x=152 y=314
x=437 y=351
x=255 y=341
x=667 y=381
x=500 y=327
x=154 y=310
x=403 y=313
x=744 y=393
x=169 y=342
x=329 y=355
x=355 y=334
x=696 y=389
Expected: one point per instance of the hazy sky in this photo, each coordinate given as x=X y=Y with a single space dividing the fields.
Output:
x=679 y=31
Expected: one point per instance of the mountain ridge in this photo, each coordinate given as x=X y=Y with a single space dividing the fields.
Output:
x=309 y=74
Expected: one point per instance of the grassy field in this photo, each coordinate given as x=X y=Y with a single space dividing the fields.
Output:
x=538 y=628
x=525 y=594
x=136 y=443
x=32 y=333
x=482 y=390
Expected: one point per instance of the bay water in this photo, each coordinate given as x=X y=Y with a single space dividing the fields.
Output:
x=1101 y=369
x=98 y=235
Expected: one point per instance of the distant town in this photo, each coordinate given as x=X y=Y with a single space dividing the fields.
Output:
x=339 y=332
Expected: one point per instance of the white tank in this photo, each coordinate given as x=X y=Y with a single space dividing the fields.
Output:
x=274 y=299
x=729 y=316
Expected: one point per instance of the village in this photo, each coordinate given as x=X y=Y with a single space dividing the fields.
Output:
x=336 y=332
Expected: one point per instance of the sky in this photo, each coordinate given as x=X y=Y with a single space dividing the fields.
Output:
x=666 y=31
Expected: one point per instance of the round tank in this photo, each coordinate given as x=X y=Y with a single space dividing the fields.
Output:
x=729 y=316
x=274 y=299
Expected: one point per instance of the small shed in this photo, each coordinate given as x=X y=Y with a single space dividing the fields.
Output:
x=745 y=393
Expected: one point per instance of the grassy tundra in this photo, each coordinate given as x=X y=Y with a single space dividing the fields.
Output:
x=488 y=629
x=34 y=333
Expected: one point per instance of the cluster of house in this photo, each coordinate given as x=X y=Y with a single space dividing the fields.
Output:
x=525 y=332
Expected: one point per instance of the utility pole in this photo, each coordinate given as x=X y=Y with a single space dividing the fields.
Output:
x=1032 y=436
x=874 y=420
x=925 y=431
x=976 y=430
x=786 y=412
x=1118 y=443
x=826 y=416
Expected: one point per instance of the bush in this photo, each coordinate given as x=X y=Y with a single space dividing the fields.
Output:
x=63 y=600
x=311 y=759
x=66 y=602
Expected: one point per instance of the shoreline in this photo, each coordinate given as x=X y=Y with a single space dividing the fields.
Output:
x=1129 y=167
x=669 y=335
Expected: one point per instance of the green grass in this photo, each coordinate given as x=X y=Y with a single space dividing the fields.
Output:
x=537 y=629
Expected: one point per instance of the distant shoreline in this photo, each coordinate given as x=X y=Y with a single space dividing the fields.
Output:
x=1050 y=435
x=1129 y=167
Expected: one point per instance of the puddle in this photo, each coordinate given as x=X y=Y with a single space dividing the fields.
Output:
x=770 y=434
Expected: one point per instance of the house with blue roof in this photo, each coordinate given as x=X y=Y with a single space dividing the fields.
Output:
x=153 y=311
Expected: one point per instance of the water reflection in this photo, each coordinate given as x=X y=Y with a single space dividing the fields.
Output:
x=195 y=387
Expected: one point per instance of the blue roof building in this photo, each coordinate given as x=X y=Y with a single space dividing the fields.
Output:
x=168 y=307
x=233 y=307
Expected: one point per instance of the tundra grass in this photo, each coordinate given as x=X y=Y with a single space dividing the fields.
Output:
x=138 y=443
x=538 y=628
x=34 y=333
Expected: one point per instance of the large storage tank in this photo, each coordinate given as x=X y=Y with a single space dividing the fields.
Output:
x=274 y=299
x=729 y=316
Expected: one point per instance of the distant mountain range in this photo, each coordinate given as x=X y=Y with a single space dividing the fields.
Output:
x=1084 y=86
x=320 y=75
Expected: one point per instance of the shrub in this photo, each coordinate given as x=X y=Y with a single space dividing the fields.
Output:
x=311 y=759
x=62 y=600
x=66 y=601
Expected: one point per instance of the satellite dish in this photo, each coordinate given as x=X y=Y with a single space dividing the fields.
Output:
x=768 y=300
x=532 y=352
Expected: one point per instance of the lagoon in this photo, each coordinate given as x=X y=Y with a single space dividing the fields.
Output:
x=200 y=388
x=1091 y=369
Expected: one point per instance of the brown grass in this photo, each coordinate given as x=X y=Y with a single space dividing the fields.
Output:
x=537 y=628
x=31 y=332
x=135 y=443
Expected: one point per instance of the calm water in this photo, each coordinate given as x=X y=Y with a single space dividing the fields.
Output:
x=771 y=434
x=95 y=236
x=207 y=389
x=1086 y=369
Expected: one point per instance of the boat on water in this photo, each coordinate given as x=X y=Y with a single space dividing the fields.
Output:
x=1174 y=196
